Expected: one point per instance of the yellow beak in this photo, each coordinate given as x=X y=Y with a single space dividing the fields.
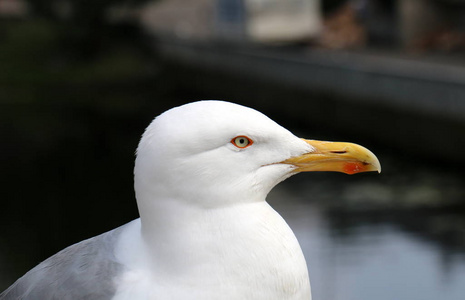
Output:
x=334 y=156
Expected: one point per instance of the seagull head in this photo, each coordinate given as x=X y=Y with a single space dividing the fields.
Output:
x=216 y=153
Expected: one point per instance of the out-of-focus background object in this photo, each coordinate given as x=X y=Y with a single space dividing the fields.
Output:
x=265 y=21
x=81 y=79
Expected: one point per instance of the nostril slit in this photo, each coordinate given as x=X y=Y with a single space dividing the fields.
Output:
x=339 y=152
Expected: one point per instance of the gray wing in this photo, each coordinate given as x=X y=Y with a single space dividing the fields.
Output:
x=85 y=270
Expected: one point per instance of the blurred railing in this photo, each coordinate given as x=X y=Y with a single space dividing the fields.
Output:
x=417 y=106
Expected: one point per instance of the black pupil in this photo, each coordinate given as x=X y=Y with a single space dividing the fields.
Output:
x=242 y=141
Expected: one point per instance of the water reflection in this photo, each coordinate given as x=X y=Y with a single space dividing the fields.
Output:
x=378 y=254
x=68 y=176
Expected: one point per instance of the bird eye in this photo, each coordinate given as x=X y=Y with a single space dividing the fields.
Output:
x=241 y=141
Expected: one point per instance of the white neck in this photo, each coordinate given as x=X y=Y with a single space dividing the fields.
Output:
x=248 y=243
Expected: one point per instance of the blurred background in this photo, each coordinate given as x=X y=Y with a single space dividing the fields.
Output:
x=81 y=79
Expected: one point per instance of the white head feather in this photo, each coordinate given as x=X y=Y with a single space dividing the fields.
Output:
x=186 y=154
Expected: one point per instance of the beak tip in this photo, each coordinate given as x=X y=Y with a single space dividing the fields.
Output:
x=377 y=165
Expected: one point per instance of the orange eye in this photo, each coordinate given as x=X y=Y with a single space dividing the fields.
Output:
x=241 y=141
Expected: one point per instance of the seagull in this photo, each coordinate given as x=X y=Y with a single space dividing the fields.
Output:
x=201 y=177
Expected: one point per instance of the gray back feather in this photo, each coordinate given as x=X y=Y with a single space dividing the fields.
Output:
x=85 y=270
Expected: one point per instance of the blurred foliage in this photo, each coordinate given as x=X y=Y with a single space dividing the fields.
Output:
x=33 y=53
x=71 y=48
x=85 y=29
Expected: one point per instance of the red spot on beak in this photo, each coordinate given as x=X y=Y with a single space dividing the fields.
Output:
x=354 y=167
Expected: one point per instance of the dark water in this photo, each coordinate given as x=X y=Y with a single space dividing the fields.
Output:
x=67 y=175
x=353 y=256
